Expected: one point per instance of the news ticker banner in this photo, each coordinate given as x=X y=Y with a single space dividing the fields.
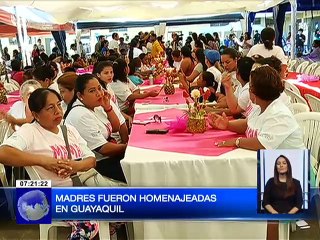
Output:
x=41 y=204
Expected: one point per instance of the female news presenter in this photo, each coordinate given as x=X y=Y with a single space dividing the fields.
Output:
x=282 y=194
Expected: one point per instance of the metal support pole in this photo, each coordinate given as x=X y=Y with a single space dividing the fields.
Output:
x=293 y=27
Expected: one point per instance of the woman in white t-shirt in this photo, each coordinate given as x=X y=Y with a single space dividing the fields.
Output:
x=34 y=144
x=96 y=129
x=134 y=50
x=238 y=104
x=267 y=49
x=271 y=125
x=104 y=71
x=20 y=113
x=126 y=92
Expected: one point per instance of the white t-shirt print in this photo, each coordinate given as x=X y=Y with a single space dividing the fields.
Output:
x=275 y=128
x=33 y=138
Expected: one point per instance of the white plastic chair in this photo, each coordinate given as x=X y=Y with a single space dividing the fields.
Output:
x=294 y=97
x=302 y=66
x=292 y=65
x=317 y=72
x=44 y=228
x=299 y=108
x=309 y=123
x=311 y=68
x=11 y=86
x=314 y=102
x=292 y=87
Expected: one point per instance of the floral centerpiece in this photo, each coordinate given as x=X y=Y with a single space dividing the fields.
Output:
x=196 y=110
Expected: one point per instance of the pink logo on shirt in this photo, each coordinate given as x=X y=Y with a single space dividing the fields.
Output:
x=251 y=133
x=60 y=151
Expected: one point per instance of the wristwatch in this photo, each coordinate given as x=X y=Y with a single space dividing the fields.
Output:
x=238 y=142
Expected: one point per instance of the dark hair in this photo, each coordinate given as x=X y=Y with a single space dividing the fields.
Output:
x=98 y=68
x=186 y=52
x=203 y=39
x=209 y=37
x=209 y=78
x=267 y=37
x=244 y=68
x=100 y=37
x=119 y=70
x=289 y=181
x=75 y=57
x=16 y=65
x=198 y=43
x=112 y=58
x=38 y=99
x=176 y=53
x=44 y=57
x=134 y=63
x=70 y=69
x=194 y=36
x=134 y=42
x=52 y=56
x=142 y=56
x=231 y=52
x=248 y=34
x=272 y=61
x=256 y=57
x=42 y=72
x=80 y=86
x=316 y=43
x=266 y=83
x=114 y=35
x=201 y=58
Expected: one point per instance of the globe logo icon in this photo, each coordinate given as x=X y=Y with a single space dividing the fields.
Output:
x=33 y=205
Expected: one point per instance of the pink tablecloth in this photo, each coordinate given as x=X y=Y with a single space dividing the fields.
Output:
x=198 y=144
x=162 y=98
x=312 y=88
x=11 y=101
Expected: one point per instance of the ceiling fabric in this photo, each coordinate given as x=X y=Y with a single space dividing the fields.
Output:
x=63 y=11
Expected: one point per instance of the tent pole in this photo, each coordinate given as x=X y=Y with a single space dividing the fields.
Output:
x=20 y=37
x=25 y=52
x=293 y=27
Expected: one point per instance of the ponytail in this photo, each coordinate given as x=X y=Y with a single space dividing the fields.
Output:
x=268 y=44
x=267 y=37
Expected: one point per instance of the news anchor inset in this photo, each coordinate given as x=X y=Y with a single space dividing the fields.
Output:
x=283 y=194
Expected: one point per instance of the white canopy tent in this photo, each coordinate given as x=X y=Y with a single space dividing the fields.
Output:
x=65 y=11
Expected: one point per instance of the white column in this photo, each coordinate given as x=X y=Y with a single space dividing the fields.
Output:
x=293 y=27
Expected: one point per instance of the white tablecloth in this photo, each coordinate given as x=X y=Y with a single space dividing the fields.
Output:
x=152 y=168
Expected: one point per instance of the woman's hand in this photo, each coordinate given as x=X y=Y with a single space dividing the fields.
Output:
x=217 y=121
x=227 y=143
x=106 y=100
x=153 y=93
x=227 y=82
x=56 y=165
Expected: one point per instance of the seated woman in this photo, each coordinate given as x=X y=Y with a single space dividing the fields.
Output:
x=42 y=141
x=270 y=125
x=78 y=62
x=20 y=113
x=239 y=104
x=126 y=92
x=190 y=80
x=96 y=131
x=66 y=83
x=104 y=71
x=187 y=63
x=134 y=73
x=282 y=193
x=206 y=80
